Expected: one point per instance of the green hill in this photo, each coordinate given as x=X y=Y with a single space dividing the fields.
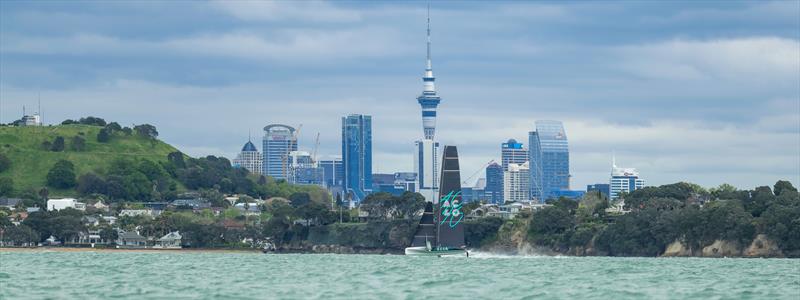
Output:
x=30 y=162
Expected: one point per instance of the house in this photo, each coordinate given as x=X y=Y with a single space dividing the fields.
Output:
x=17 y=217
x=9 y=203
x=194 y=204
x=170 y=241
x=99 y=205
x=249 y=209
x=32 y=209
x=131 y=240
x=135 y=213
x=109 y=219
x=91 y=221
x=59 y=204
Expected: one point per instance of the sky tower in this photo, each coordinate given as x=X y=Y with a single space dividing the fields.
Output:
x=429 y=100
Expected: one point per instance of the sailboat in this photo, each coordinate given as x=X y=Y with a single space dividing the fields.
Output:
x=440 y=231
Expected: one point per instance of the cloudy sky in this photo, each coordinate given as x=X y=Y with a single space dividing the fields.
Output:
x=707 y=92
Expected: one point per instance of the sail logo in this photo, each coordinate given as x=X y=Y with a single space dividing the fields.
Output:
x=451 y=209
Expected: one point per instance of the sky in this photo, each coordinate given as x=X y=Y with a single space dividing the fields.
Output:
x=704 y=92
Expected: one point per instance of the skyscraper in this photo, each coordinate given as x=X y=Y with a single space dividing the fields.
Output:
x=426 y=151
x=357 y=155
x=279 y=141
x=549 y=159
x=513 y=152
x=426 y=165
x=303 y=169
x=249 y=158
x=623 y=180
x=332 y=172
x=516 y=183
x=494 y=183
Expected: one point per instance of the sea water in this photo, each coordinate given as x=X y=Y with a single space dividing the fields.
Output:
x=225 y=275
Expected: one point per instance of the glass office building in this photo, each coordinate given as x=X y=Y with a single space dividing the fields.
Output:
x=357 y=156
x=332 y=172
x=549 y=159
x=513 y=152
x=494 y=184
x=279 y=140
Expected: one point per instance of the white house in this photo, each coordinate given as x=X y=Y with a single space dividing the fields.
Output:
x=170 y=241
x=59 y=204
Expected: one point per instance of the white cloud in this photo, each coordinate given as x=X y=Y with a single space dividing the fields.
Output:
x=287 y=10
x=754 y=59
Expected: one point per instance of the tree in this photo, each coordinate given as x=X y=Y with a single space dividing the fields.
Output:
x=62 y=175
x=90 y=183
x=78 y=143
x=146 y=130
x=113 y=127
x=20 y=235
x=103 y=136
x=6 y=186
x=94 y=121
x=5 y=162
x=47 y=145
x=58 y=144
x=299 y=199
x=550 y=226
x=783 y=185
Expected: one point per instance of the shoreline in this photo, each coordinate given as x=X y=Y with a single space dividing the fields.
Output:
x=150 y=250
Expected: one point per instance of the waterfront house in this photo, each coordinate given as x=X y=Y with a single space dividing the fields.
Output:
x=17 y=217
x=91 y=221
x=31 y=209
x=131 y=240
x=109 y=219
x=170 y=241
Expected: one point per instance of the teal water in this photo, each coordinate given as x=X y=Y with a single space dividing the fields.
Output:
x=192 y=275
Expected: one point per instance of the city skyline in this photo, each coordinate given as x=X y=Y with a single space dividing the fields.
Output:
x=694 y=100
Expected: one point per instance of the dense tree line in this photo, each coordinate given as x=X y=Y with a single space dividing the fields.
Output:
x=676 y=212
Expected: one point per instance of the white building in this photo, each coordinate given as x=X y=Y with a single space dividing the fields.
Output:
x=426 y=165
x=59 y=204
x=623 y=180
x=249 y=158
x=516 y=182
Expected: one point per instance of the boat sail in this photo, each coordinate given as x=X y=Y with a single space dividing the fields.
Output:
x=440 y=231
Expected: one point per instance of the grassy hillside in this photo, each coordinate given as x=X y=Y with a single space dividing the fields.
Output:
x=30 y=162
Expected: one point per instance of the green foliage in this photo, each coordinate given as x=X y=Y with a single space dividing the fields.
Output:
x=78 y=143
x=103 y=136
x=62 y=175
x=58 y=144
x=783 y=186
x=5 y=163
x=146 y=131
x=385 y=206
x=6 y=186
x=21 y=235
x=551 y=226
x=31 y=162
x=64 y=224
x=481 y=231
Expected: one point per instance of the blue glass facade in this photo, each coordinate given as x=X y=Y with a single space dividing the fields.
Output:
x=332 y=172
x=549 y=159
x=357 y=155
x=603 y=188
x=513 y=152
x=494 y=184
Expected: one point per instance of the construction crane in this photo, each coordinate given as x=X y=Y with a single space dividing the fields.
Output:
x=465 y=182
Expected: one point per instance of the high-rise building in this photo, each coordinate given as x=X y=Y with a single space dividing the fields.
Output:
x=513 y=152
x=279 y=141
x=357 y=155
x=603 y=188
x=549 y=159
x=474 y=193
x=494 y=184
x=426 y=165
x=332 y=172
x=623 y=180
x=426 y=151
x=516 y=183
x=303 y=170
x=249 y=158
